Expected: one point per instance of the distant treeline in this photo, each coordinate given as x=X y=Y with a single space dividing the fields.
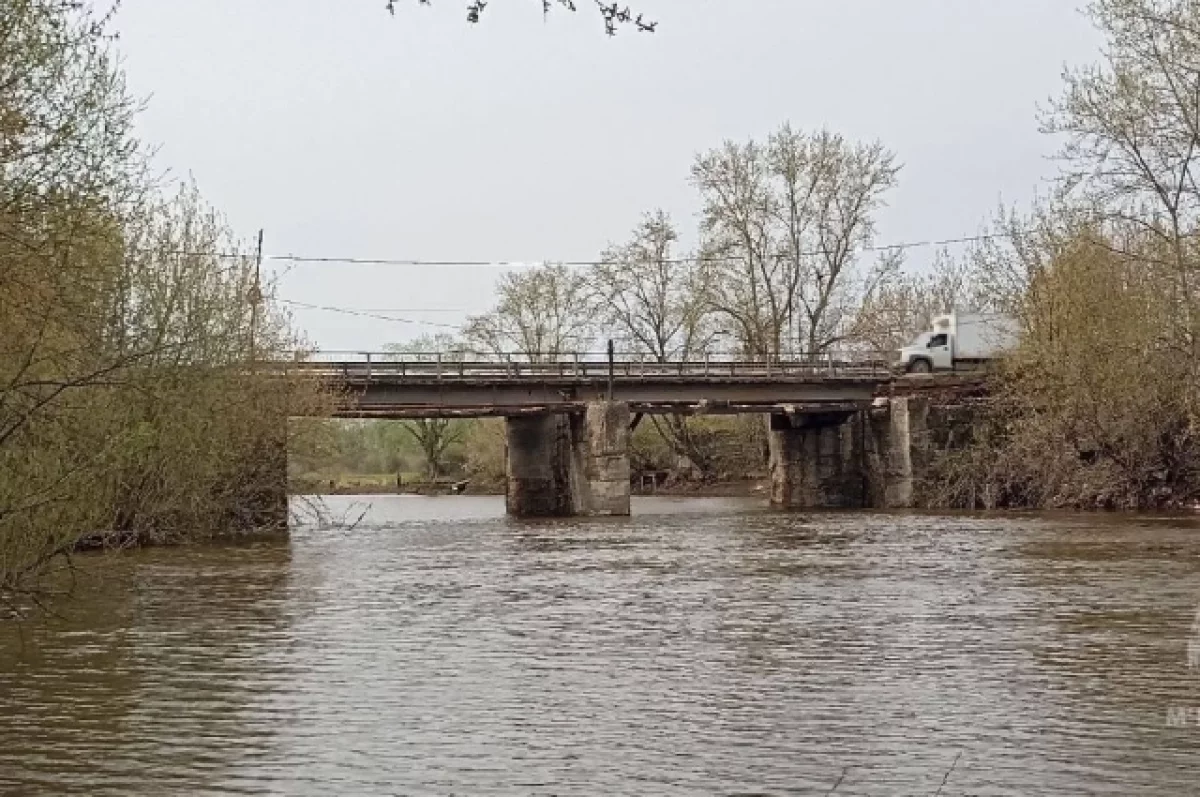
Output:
x=1099 y=407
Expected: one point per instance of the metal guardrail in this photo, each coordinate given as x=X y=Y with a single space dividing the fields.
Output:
x=461 y=366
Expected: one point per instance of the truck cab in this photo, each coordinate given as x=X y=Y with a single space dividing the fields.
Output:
x=930 y=351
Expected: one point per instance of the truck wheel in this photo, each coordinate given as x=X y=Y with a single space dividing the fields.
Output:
x=920 y=367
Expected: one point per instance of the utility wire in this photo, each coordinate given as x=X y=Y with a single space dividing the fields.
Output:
x=381 y=314
x=390 y=310
x=371 y=261
x=364 y=314
x=296 y=260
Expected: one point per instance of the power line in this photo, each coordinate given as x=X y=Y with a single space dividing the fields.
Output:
x=365 y=314
x=297 y=260
x=412 y=309
x=373 y=261
x=967 y=239
x=384 y=314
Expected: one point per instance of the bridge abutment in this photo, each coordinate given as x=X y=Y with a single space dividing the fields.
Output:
x=912 y=438
x=573 y=464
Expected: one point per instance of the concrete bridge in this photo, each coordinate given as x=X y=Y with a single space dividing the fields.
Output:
x=840 y=435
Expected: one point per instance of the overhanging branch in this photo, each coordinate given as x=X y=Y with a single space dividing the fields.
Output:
x=613 y=14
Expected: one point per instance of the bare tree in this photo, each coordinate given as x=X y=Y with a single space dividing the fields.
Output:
x=653 y=297
x=542 y=315
x=901 y=303
x=785 y=225
x=842 y=186
x=1132 y=126
x=744 y=277
x=434 y=436
x=656 y=301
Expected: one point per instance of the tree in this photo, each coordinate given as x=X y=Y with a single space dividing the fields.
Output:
x=653 y=298
x=486 y=453
x=613 y=14
x=434 y=436
x=784 y=226
x=1132 y=126
x=1093 y=406
x=1100 y=405
x=1132 y=129
x=902 y=303
x=656 y=302
x=542 y=314
x=127 y=413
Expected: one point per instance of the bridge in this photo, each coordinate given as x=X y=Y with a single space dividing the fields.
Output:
x=403 y=385
x=840 y=433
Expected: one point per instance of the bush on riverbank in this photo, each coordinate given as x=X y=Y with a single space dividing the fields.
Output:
x=1097 y=408
x=1100 y=406
x=130 y=410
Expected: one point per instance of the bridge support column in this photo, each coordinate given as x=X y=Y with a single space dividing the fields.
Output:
x=604 y=446
x=539 y=461
x=908 y=435
x=564 y=465
x=817 y=461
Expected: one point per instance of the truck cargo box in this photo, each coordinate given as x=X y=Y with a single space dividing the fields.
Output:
x=983 y=336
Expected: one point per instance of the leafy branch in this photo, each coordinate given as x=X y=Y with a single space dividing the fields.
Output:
x=613 y=14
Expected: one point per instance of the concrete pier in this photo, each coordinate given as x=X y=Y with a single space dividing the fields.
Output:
x=569 y=464
x=605 y=452
x=907 y=448
x=902 y=449
x=887 y=457
x=817 y=461
x=538 y=454
x=561 y=465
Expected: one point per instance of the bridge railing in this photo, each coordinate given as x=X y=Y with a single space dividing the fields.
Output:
x=579 y=365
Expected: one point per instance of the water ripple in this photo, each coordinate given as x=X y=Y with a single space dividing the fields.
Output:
x=699 y=648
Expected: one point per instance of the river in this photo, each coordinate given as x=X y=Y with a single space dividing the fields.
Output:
x=701 y=647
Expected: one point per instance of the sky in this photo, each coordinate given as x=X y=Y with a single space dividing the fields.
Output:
x=341 y=131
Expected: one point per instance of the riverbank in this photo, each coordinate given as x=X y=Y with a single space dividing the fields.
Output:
x=387 y=484
x=740 y=488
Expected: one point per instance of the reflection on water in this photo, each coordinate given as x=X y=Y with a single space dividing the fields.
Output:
x=704 y=646
x=154 y=676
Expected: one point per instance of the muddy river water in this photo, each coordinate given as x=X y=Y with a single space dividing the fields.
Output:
x=701 y=647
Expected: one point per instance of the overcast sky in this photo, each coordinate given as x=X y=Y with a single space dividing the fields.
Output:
x=343 y=132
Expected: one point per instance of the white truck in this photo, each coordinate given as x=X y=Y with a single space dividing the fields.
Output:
x=958 y=341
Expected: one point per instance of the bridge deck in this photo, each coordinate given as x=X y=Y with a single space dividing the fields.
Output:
x=376 y=386
x=472 y=371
